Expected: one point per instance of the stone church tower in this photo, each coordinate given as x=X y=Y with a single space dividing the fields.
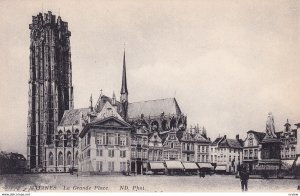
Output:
x=50 y=83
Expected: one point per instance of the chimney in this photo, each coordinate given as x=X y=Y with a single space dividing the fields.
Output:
x=225 y=136
x=237 y=137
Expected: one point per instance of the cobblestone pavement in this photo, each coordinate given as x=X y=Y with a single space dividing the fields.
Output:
x=214 y=183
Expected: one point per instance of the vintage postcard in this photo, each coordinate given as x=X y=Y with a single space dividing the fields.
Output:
x=150 y=96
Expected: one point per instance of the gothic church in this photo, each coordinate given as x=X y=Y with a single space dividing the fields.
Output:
x=110 y=136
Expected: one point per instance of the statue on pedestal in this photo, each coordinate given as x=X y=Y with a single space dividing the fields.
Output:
x=270 y=128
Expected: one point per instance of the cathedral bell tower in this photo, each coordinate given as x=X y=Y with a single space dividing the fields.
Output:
x=50 y=84
x=124 y=91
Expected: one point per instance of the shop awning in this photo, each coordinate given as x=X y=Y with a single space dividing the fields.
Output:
x=266 y=167
x=174 y=165
x=157 y=165
x=205 y=165
x=221 y=168
x=286 y=164
x=297 y=163
x=190 y=165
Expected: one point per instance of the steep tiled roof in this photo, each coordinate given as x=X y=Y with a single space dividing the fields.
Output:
x=11 y=155
x=72 y=117
x=214 y=143
x=229 y=143
x=232 y=143
x=200 y=138
x=153 y=108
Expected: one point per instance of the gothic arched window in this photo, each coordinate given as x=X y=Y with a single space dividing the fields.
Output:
x=89 y=138
x=69 y=158
x=76 y=158
x=60 y=138
x=51 y=158
x=69 y=138
x=60 y=158
x=76 y=138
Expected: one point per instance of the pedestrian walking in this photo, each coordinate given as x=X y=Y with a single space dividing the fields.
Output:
x=244 y=176
x=201 y=174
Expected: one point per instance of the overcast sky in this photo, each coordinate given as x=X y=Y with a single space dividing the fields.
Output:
x=228 y=63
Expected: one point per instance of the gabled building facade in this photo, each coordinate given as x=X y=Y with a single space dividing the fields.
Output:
x=227 y=153
x=251 y=150
x=288 y=138
x=202 y=145
x=172 y=146
x=139 y=149
x=155 y=147
x=187 y=147
x=105 y=143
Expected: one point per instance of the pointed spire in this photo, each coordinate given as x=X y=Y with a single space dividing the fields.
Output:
x=124 y=91
x=113 y=99
x=91 y=103
x=287 y=126
x=124 y=78
x=204 y=131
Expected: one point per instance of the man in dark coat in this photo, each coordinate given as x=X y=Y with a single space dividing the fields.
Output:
x=244 y=176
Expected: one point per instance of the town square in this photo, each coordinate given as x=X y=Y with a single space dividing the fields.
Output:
x=122 y=99
x=96 y=183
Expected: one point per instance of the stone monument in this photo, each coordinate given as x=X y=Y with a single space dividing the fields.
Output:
x=269 y=161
